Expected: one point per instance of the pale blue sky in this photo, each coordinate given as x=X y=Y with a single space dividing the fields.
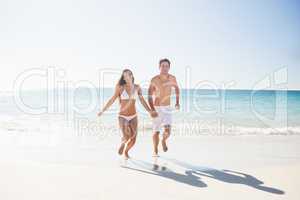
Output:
x=221 y=40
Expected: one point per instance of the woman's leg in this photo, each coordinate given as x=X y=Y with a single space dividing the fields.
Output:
x=133 y=133
x=125 y=134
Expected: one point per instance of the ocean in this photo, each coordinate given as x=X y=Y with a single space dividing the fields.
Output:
x=203 y=112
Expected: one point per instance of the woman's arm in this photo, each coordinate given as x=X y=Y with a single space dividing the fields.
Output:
x=144 y=103
x=111 y=100
x=142 y=100
x=150 y=95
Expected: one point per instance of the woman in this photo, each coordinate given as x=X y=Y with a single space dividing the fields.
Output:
x=127 y=93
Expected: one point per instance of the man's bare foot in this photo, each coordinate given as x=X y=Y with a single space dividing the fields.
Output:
x=155 y=155
x=155 y=167
x=121 y=149
x=163 y=168
x=164 y=145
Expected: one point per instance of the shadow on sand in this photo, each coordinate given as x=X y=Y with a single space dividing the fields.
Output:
x=192 y=175
x=188 y=178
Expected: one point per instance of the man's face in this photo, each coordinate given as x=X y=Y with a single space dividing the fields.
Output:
x=164 y=67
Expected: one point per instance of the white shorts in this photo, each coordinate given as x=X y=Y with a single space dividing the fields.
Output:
x=164 y=117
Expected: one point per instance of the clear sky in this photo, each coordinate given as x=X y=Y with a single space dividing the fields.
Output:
x=220 y=40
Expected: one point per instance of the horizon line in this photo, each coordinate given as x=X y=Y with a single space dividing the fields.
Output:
x=236 y=89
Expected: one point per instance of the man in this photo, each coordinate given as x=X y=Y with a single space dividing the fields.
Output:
x=160 y=88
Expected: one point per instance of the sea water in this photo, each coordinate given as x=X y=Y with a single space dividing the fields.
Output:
x=202 y=112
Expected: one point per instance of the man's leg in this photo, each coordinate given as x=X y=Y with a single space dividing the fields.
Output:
x=156 y=129
x=166 y=135
x=155 y=142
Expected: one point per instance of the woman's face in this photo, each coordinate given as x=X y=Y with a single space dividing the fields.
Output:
x=128 y=77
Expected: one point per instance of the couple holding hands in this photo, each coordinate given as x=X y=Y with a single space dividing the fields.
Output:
x=159 y=100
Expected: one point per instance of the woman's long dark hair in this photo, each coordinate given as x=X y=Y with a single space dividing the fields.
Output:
x=122 y=80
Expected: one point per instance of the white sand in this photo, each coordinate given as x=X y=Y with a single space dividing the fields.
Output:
x=192 y=169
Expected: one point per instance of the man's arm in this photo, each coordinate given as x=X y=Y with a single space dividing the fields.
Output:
x=177 y=93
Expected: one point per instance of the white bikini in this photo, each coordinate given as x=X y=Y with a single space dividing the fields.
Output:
x=125 y=96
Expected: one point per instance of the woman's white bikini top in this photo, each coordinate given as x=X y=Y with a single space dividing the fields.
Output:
x=124 y=95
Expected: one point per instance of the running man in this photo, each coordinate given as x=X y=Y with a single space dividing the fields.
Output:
x=160 y=88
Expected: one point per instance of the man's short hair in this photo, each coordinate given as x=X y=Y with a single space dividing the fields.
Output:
x=164 y=60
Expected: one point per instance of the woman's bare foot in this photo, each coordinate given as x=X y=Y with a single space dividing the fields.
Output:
x=121 y=149
x=126 y=155
x=164 y=145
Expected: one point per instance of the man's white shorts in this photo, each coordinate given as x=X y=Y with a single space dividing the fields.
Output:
x=164 y=117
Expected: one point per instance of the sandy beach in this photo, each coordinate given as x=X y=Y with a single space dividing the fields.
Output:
x=209 y=167
x=80 y=78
